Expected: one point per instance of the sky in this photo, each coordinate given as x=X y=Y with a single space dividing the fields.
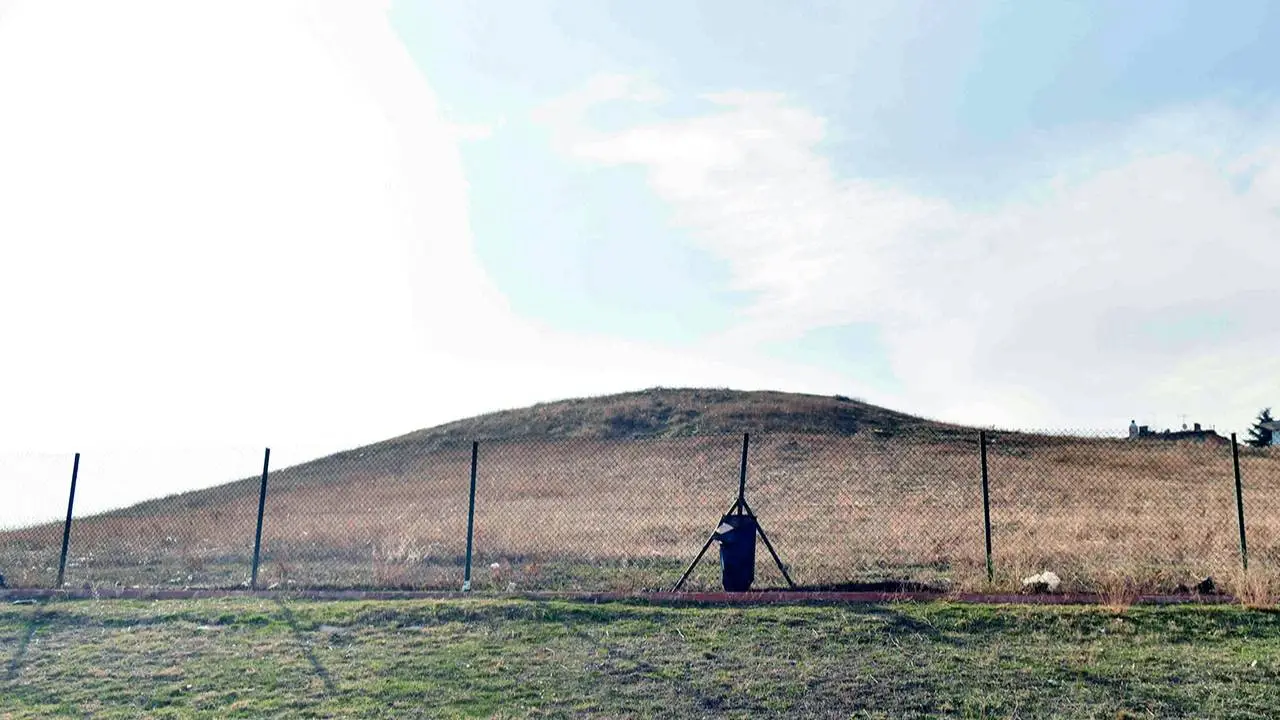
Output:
x=312 y=225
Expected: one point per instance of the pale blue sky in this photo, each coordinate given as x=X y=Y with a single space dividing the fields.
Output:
x=914 y=89
x=1055 y=215
x=971 y=103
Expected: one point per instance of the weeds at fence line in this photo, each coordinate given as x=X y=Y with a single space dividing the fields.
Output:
x=956 y=512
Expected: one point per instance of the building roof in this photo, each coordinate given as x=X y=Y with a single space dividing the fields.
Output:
x=1272 y=426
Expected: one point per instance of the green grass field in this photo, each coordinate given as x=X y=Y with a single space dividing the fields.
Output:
x=521 y=658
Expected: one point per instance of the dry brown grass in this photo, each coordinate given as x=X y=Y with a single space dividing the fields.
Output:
x=1117 y=590
x=668 y=412
x=1109 y=516
x=1255 y=587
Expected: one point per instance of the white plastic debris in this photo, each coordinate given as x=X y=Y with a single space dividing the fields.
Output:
x=1044 y=582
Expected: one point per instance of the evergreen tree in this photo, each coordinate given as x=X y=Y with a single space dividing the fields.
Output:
x=1258 y=435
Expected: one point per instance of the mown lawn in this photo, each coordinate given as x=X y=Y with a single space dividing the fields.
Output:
x=520 y=658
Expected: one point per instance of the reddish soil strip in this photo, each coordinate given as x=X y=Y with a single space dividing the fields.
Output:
x=711 y=598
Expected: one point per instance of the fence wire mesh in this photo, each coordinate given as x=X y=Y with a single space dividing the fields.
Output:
x=1113 y=514
x=382 y=517
x=190 y=539
x=598 y=514
x=867 y=509
x=35 y=501
x=870 y=509
x=1260 y=474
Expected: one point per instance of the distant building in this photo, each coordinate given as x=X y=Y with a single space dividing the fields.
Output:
x=1274 y=427
x=1197 y=434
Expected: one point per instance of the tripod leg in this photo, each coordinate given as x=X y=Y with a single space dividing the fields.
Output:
x=772 y=552
x=694 y=564
x=703 y=551
x=769 y=545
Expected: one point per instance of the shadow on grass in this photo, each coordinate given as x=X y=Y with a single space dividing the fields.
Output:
x=1191 y=624
x=899 y=622
x=292 y=621
x=573 y=614
x=20 y=654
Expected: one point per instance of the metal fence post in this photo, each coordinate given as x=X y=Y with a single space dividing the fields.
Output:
x=1235 y=462
x=471 y=516
x=66 y=527
x=262 y=505
x=986 y=503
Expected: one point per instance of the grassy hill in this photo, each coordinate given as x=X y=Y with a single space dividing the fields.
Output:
x=619 y=492
x=677 y=413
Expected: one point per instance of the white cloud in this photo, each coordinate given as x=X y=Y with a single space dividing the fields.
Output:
x=1034 y=313
x=571 y=107
x=235 y=224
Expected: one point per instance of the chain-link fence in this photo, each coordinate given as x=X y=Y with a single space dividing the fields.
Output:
x=1116 y=514
x=34 y=498
x=871 y=509
x=200 y=538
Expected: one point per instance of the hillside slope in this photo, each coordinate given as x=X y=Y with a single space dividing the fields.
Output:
x=670 y=413
x=617 y=492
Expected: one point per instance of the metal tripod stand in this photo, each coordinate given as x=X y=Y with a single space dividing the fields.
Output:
x=739 y=507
